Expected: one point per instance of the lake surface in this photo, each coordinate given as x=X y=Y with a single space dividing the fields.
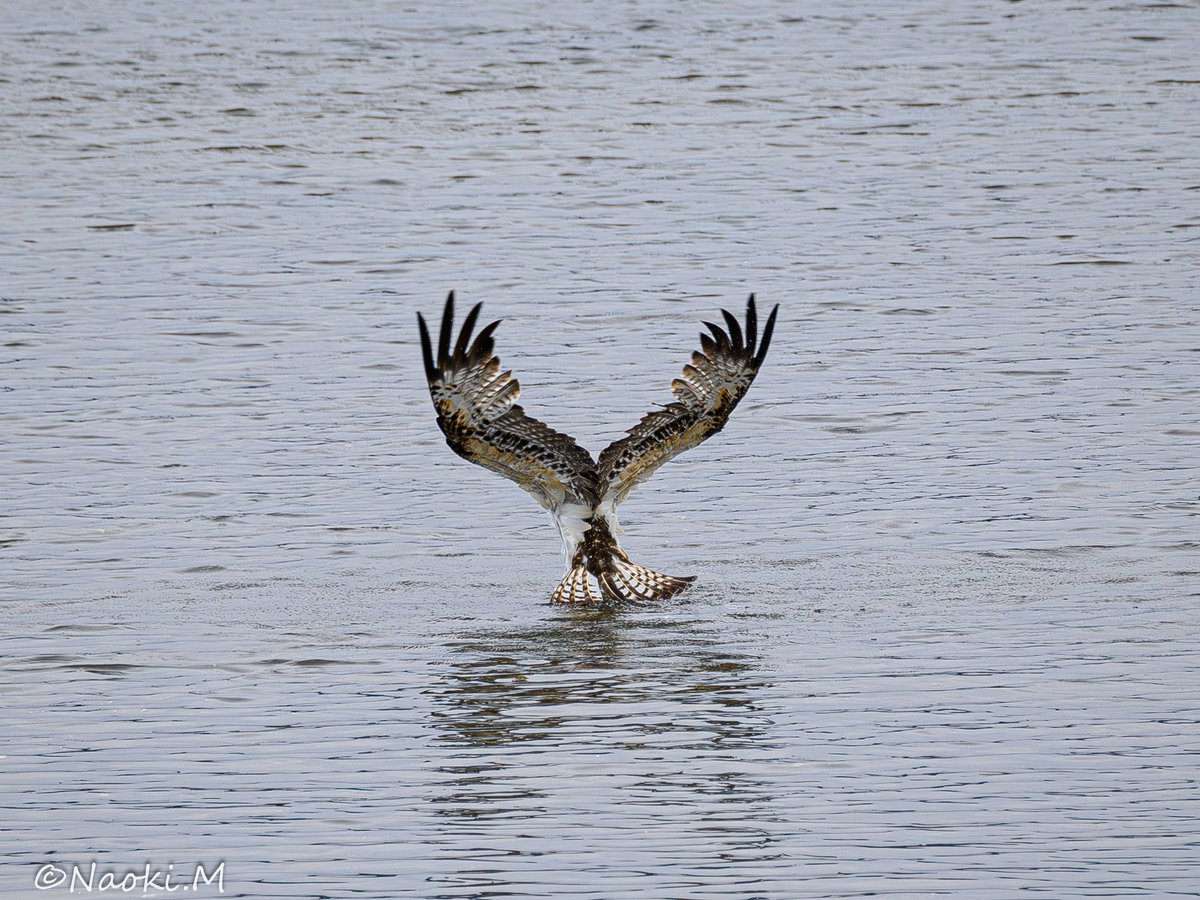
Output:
x=944 y=639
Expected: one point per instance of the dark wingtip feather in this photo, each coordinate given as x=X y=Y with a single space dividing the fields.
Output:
x=735 y=330
x=483 y=343
x=751 y=326
x=444 y=335
x=766 y=338
x=464 y=336
x=719 y=335
x=426 y=349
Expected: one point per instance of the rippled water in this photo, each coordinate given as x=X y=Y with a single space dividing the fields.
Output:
x=944 y=639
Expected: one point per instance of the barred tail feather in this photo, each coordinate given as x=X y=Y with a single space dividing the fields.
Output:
x=575 y=588
x=629 y=581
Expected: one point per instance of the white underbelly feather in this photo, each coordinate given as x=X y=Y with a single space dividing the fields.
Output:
x=571 y=520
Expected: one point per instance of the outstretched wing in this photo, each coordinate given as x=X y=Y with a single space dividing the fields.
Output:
x=476 y=410
x=711 y=386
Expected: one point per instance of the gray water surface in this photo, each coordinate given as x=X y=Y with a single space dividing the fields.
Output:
x=944 y=637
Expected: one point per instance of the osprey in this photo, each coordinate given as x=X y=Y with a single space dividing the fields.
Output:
x=476 y=410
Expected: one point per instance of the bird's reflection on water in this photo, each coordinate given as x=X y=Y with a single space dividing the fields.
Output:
x=621 y=718
x=508 y=687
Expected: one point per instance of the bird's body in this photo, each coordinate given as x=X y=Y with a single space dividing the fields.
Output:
x=477 y=411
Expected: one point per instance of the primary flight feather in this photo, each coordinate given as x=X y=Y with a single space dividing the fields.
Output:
x=477 y=411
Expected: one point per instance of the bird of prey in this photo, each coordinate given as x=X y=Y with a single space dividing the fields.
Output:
x=476 y=409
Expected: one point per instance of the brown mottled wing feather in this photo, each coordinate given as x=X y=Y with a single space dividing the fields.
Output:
x=477 y=411
x=706 y=393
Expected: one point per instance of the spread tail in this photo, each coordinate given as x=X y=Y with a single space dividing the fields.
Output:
x=621 y=580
